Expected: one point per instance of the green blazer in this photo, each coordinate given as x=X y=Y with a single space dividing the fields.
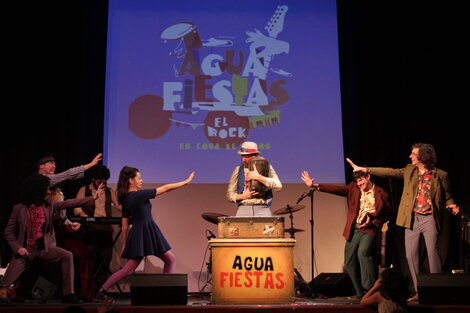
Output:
x=440 y=192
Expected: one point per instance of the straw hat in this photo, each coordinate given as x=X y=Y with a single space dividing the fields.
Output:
x=248 y=147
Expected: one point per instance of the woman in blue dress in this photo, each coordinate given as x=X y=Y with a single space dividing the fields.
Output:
x=144 y=237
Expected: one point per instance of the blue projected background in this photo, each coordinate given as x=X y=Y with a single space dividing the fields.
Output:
x=188 y=81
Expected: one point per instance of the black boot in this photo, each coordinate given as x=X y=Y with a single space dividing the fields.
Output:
x=102 y=294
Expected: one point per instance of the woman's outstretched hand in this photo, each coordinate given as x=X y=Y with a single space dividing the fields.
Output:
x=190 y=178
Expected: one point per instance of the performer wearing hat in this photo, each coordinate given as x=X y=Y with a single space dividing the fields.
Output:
x=47 y=167
x=63 y=227
x=426 y=197
x=252 y=202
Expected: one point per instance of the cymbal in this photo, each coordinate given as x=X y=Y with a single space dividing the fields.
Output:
x=289 y=209
x=292 y=230
x=212 y=217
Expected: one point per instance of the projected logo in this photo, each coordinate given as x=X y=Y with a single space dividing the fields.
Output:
x=218 y=89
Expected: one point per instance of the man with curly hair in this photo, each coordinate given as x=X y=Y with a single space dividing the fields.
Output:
x=30 y=233
x=426 y=196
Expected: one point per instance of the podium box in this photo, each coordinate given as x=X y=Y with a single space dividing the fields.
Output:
x=252 y=271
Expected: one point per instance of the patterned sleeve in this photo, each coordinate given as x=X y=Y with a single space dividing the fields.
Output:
x=70 y=174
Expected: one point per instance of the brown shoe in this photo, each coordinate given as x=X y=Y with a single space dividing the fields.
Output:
x=413 y=298
x=4 y=294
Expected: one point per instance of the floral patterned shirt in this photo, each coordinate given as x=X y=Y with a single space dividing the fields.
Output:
x=36 y=218
x=423 y=199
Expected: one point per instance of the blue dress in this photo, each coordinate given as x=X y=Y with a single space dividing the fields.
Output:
x=144 y=237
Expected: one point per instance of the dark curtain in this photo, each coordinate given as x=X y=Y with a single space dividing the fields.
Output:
x=54 y=70
x=403 y=80
x=403 y=67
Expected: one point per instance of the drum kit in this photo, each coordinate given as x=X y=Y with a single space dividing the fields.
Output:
x=288 y=209
x=212 y=217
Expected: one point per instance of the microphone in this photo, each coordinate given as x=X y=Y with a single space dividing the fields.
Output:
x=306 y=194
x=211 y=235
x=302 y=197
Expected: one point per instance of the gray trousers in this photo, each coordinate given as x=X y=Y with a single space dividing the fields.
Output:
x=254 y=210
x=423 y=224
x=17 y=266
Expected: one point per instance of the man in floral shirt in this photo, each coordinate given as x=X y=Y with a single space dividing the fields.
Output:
x=426 y=196
x=30 y=233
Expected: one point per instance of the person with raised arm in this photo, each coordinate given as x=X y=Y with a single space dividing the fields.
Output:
x=426 y=196
x=30 y=233
x=368 y=209
x=144 y=237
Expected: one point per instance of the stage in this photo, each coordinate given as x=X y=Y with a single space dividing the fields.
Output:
x=202 y=303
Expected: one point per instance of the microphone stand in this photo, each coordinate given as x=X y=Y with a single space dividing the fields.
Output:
x=303 y=196
x=310 y=194
x=209 y=236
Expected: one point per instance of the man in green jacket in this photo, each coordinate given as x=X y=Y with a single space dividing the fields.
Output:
x=425 y=197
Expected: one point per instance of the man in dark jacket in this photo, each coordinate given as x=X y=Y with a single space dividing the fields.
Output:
x=368 y=209
x=425 y=198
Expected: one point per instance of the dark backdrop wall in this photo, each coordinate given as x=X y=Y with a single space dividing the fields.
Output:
x=54 y=72
x=402 y=81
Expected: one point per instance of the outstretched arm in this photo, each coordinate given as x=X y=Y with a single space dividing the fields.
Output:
x=169 y=187
x=93 y=162
x=309 y=181
x=355 y=167
x=373 y=296
x=305 y=176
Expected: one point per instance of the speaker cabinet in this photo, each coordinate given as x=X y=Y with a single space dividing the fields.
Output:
x=43 y=289
x=444 y=288
x=332 y=285
x=159 y=289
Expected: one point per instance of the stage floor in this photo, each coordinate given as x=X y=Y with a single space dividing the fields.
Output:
x=202 y=303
